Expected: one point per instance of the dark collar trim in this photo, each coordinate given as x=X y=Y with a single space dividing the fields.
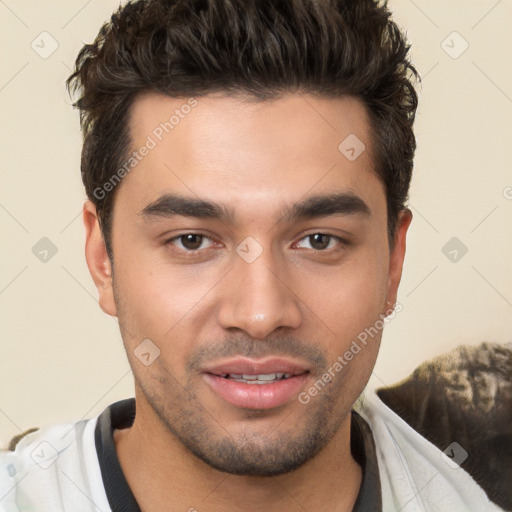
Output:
x=118 y=415
x=363 y=450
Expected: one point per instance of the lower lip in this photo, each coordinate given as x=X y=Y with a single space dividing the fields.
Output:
x=256 y=396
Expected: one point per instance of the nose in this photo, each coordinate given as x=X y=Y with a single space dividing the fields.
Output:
x=258 y=299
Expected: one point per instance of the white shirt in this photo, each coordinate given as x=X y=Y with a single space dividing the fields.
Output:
x=56 y=469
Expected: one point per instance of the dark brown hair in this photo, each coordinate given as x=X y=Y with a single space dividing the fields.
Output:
x=262 y=48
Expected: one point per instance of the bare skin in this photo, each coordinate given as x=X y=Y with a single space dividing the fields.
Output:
x=301 y=299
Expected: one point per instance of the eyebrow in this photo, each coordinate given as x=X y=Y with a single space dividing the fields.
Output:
x=312 y=207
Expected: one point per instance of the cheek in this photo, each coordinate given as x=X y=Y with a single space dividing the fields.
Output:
x=349 y=297
x=157 y=300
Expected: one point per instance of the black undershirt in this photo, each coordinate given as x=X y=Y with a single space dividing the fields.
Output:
x=121 y=414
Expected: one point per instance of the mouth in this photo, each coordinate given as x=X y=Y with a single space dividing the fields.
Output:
x=253 y=384
x=262 y=378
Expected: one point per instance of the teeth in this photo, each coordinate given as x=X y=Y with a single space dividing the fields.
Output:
x=257 y=379
x=264 y=376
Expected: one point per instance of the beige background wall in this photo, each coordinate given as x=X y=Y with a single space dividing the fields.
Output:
x=62 y=359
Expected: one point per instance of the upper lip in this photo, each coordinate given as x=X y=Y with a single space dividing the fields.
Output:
x=245 y=366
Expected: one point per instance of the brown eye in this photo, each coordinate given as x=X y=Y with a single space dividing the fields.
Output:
x=319 y=241
x=192 y=241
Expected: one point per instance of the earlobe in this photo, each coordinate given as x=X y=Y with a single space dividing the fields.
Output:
x=397 y=255
x=97 y=259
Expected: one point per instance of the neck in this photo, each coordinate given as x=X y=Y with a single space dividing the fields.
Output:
x=164 y=475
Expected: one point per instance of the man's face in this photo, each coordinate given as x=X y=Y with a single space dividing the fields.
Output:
x=263 y=290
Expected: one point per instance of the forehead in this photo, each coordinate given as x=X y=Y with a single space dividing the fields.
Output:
x=237 y=150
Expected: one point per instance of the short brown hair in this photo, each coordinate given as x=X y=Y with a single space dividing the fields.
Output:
x=262 y=48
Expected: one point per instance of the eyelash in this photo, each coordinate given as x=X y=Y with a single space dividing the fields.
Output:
x=195 y=252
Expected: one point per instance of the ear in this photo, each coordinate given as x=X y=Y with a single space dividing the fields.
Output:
x=397 y=256
x=97 y=259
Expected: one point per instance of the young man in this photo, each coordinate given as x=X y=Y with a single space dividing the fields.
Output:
x=247 y=165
